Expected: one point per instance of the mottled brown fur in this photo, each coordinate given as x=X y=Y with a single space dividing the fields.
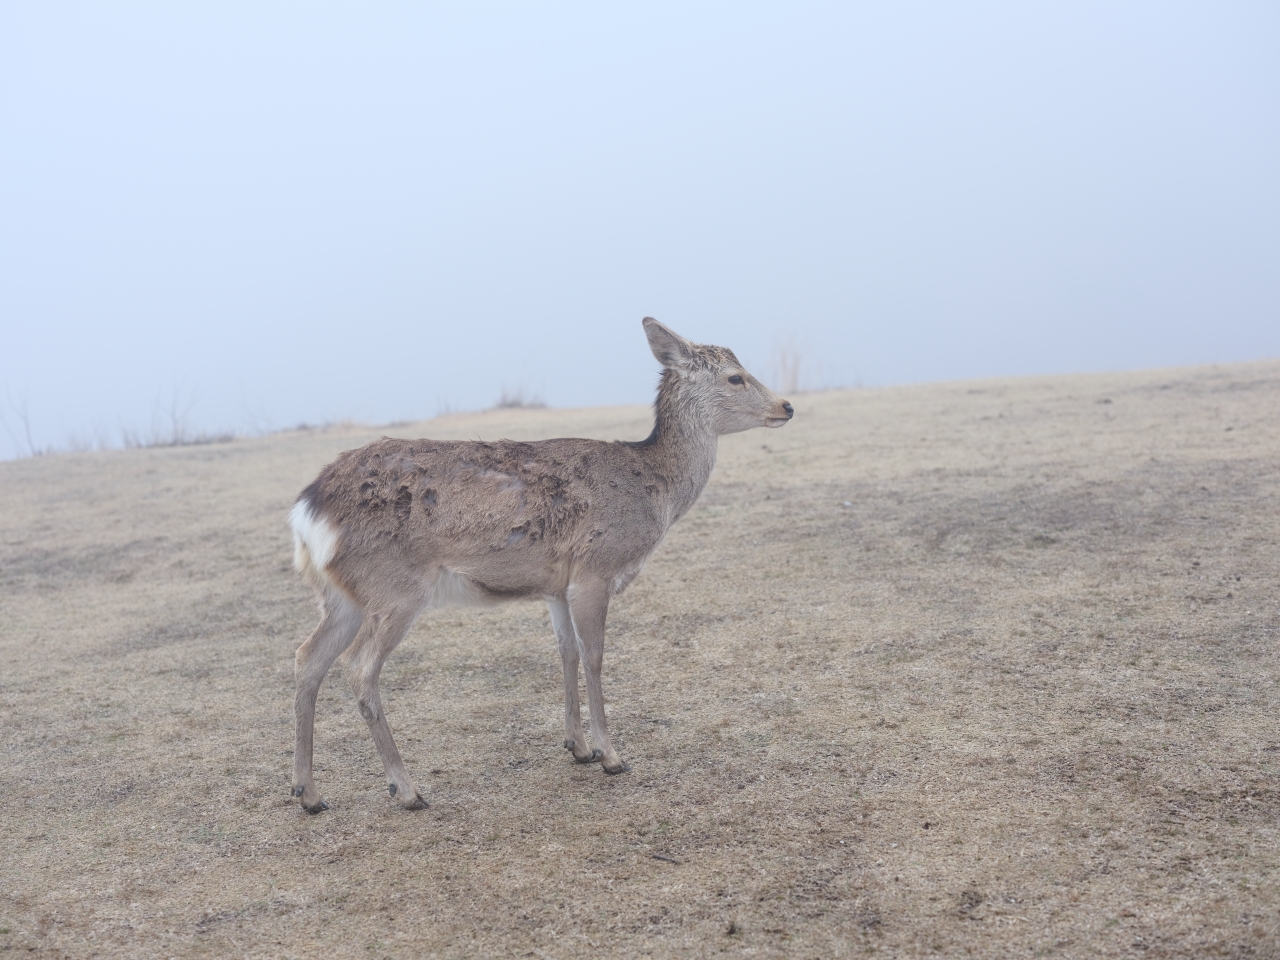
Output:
x=517 y=516
x=399 y=525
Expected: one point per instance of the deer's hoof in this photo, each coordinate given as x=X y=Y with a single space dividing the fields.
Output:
x=622 y=767
x=572 y=747
x=419 y=802
x=310 y=798
x=410 y=799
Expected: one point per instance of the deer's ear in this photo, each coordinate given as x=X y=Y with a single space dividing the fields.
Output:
x=671 y=349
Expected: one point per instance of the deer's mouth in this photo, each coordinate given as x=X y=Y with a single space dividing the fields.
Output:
x=787 y=412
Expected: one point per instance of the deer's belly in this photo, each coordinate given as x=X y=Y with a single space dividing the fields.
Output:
x=454 y=588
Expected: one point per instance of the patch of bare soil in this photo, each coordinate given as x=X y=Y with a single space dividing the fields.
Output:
x=982 y=669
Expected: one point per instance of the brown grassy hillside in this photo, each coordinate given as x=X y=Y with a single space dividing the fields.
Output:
x=982 y=668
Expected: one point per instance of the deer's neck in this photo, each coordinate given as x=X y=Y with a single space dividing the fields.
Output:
x=682 y=449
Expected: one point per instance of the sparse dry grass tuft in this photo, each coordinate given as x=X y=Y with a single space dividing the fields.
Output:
x=519 y=399
x=982 y=669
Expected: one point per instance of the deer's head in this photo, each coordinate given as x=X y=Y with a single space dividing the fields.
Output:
x=713 y=386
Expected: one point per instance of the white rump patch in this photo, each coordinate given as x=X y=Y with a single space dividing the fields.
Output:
x=314 y=538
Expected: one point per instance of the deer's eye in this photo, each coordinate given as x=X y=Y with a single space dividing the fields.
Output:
x=735 y=379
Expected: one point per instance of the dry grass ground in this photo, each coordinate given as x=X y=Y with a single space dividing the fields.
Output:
x=985 y=669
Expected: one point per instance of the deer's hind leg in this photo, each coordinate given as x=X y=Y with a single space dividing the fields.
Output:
x=339 y=622
x=575 y=738
x=382 y=633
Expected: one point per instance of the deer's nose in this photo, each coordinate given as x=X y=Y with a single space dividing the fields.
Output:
x=791 y=411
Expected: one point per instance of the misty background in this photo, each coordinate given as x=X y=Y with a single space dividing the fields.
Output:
x=255 y=216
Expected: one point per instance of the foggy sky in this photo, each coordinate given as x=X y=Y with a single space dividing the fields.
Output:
x=260 y=217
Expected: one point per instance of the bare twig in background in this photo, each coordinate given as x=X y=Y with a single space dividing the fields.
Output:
x=170 y=427
x=786 y=360
x=255 y=418
x=77 y=442
x=25 y=444
x=517 y=399
x=176 y=433
x=131 y=439
x=4 y=422
x=26 y=430
x=162 y=434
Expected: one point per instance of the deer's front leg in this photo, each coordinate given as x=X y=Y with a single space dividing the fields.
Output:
x=575 y=738
x=588 y=608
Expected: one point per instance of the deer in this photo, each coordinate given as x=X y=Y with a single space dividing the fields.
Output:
x=398 y=526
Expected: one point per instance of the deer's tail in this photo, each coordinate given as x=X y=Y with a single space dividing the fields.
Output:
x=315 y=540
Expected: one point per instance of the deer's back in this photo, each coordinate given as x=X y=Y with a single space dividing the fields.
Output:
x=516 y=518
